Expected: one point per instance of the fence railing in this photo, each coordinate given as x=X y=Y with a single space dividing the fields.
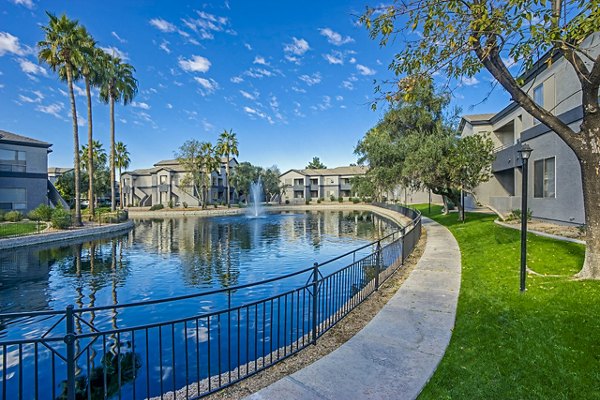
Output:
x=240 y=333
x=26 y=226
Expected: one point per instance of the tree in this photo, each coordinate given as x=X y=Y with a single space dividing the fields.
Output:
x=316 y=164
x=118 y=85
x=472 y=35
x=101 y=173
x=122 y=162
x=226 y=147
x=62 y=47
x=244 y=175
x=271 y=184
x=199 y=160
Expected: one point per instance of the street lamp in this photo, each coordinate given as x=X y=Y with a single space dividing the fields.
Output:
x=525 y=153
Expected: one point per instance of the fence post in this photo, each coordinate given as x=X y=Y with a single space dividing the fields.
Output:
x=315 y=285
x=70 y=342
x=377 y=264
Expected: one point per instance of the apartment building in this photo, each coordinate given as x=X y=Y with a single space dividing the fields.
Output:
x=161 y=185
x=24 y=181
x=555 y=189
x=306 y=184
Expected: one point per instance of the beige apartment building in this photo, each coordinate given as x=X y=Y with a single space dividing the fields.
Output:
x=555 y=189
x=161 y=185
x=306 y=184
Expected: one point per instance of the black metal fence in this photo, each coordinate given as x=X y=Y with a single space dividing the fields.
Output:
x=241 y=333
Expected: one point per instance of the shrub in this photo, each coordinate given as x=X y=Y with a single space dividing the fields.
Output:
x=332 y=198
x=2 y=215
x=13 y=216
x=341 y=199
x=184 y=204
x=215 y=205
x=170 y=203
x=307 y=202
x=157 y=207
x=318 y=201
x=356 y=200
x=287 y=202
x=61 y=219
x=515 y=215
x=42 y=213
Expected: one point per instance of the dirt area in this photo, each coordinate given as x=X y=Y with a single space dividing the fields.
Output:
x=335 y=337
x=573 y=232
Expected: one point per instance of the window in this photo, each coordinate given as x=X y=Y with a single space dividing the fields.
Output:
x=538 y=97
x=544 y=178
x=12 y=160
x=13 y=198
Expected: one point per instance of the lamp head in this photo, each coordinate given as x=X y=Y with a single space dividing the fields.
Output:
x=525 y=151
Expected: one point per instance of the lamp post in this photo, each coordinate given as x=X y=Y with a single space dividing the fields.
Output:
x=525 y=152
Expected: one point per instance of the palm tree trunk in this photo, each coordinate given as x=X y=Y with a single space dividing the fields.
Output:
x=227 y=177
x=90 y=165
x=120 y=190
x=77 y=221
x=112 y=153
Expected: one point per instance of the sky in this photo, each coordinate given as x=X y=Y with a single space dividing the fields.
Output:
x=293 y=79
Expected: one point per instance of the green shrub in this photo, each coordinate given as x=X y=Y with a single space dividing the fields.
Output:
x=61 y=218
x=184 y=204
x=42 y=213
x=215 y=205
x=287 y=202
x=332 y=198
x=341 y=199
x=307 y=202
x=318 y=201
x=157 y=207
x=13 y=216
x=170 y=203
x=356 y=200
x=515 y=215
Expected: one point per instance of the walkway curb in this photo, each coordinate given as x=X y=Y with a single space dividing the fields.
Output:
x=395 y=355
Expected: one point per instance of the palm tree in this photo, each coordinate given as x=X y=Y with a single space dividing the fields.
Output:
x=210 y=162
x=118 y=85
x=62 y=48
x=98 y=163
x=122 y=161
x=226 y=147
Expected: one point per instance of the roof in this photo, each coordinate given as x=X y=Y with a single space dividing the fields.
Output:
x=13 y=138
x=478 y=117
x=59 y=170
x=174 y=161
x=345 y=170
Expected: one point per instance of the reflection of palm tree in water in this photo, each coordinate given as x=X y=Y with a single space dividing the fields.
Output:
x=114 y=313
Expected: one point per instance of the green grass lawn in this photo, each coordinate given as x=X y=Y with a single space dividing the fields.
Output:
x=544 y=343
x=18 y=228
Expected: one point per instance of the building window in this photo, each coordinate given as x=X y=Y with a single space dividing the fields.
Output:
x=12 y=160
x=538 y=97
x=544 y=178
x=13 y=199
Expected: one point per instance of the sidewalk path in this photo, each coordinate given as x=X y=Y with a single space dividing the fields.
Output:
x=395 y=355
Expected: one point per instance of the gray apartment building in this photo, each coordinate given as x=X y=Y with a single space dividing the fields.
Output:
x=161 y=185
x=306 y=184
x=555 y=188
x=24 y=181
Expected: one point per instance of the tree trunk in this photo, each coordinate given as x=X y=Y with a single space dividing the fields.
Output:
x=227 y=177
x=112 y=153
x=590 y=174
x=76 y=160
x=90 y=165
x=120 y=191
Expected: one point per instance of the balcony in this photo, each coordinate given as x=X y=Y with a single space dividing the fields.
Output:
x=314 y=186
x=346 y=186
x=163 y=187
x=298 y=187
x=507 y=157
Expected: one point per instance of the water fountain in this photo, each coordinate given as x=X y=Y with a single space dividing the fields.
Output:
x=255 y=208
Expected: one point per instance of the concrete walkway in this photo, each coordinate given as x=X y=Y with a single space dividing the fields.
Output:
x=395 y=355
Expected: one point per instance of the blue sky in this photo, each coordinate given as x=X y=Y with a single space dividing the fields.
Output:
x=293 y=79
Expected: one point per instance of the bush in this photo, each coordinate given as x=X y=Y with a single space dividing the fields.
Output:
x=356 y=200
x=157 y=207
x=287 y=202
x=318 y=201
x=184 y=204
x=170 y=203
x=515 y=215
x=2 y=212
x=341 y=199
x=13 y=216
x=307 y=202
x=42 y=213
x=61 y=219
x=332 y=198
x=215 y=205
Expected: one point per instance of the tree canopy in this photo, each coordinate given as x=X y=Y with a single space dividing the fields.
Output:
x=316 y=164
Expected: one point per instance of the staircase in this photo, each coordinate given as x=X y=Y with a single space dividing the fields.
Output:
x=55 y=198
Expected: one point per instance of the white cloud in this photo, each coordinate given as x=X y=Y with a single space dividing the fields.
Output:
x=162 y=25
x=363 y=70
x=52 y=109
x=208 y=23
x=169 y=106
x=247 y=45
x=237 y=79
x=142 y=105
x=208 y=85
x=79 y=91
x=31 y=68
x=469 y=81
x=352 y=60
x=335 y=57
x=207 y=125
x=311 y=80
x=253 y=112
x=298 y=90
x=298 y=110
x=195 y=64
x=260 y=60
x=258 y=73
x=339 y=98
x=347 y=85
x=26 y=3
x=38 y=97
x=164 y=46
x=9 y=44
x=248 y=95
x=115 y=52
x=334 y=37
x=116 y=36
x=297 y=48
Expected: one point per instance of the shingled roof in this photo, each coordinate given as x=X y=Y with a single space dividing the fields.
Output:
x=13 y=138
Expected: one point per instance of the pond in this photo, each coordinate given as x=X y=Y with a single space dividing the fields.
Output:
x=158 y=259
